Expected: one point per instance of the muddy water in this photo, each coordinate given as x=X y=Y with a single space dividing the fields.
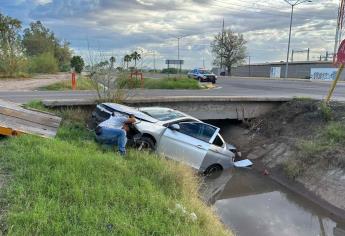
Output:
x=253 y=204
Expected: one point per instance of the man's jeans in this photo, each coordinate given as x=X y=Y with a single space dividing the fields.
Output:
x=112 y=136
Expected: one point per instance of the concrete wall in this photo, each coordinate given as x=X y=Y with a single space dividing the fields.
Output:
x=204 y=108
x=296 y=69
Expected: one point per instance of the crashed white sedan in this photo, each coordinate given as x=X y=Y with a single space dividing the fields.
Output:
x=175 y=135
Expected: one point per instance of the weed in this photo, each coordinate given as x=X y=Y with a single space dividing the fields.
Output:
x=124 y=83
x=83 y=83
x=334 y=133
x=293 y=168
x=302 y=99
x=326 y=112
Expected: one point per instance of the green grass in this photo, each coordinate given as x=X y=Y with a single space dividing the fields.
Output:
x=71 y=186
x=326 y=148
x=171 y=83
x=149 y=83
x=83 y=83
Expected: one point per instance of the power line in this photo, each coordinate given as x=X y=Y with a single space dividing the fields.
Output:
x=248 y=9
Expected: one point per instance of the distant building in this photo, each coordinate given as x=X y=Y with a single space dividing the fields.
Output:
x=322 y=70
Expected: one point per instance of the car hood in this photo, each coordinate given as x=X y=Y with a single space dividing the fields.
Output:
x=130 y=110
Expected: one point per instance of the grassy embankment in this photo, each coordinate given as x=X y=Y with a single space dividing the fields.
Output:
x=83 y=83
x=325 y=146
x=165 y=83
x=70 y=185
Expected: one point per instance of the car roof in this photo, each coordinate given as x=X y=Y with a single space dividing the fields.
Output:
x=130 y=110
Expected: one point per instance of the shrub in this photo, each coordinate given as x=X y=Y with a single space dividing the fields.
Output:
x=43 y=63
x=326 y=112
x=170 y=71
x=77 y=63
x=293 y=168
x=335 y=132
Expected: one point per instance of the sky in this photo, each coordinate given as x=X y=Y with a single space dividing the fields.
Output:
x=99 y=29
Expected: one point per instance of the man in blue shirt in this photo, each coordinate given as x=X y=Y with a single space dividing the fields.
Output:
x=114 y=130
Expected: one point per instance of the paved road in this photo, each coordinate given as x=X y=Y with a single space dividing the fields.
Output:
x=226 y=87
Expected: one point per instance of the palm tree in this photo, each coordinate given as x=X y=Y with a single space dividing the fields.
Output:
x=127 y=59
x=112 y=61
x=136 y=57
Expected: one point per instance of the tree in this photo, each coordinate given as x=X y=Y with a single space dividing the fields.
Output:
x=11 y=52
x=127 y=59
x=112 y=62
x=136 y=57
x=229 y=49
x=38 y=39
x=103 y=64
x=77 y=63
x=63 y=55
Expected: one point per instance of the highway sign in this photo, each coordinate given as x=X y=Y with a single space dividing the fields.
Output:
x=174 y=62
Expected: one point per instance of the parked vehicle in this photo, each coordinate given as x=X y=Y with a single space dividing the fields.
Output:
x=203 y=75
x=174 y=134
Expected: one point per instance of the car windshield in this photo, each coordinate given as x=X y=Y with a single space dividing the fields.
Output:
x=162 y=114
x=205 y=72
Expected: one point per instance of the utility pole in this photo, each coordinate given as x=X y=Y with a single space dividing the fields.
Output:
x=288 y=50
x=178 y=47
x=308 y=54
x=154 y=61
x=300 y=51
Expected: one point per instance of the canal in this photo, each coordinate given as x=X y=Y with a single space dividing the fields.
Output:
x=252 y=204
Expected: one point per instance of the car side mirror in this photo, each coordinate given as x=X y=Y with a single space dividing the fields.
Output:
x=174 y=127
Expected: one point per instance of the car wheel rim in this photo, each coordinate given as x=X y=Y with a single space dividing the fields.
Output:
x=144 y=146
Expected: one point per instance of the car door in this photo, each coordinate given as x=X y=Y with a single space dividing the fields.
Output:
x=190 y=144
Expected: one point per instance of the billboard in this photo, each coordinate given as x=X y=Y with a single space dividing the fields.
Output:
x=174 y=62
x=323 y=73
x=275 y=72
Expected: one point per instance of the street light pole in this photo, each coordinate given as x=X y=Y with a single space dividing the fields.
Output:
x=178 y=49
x=288 y=51
x=291 y=17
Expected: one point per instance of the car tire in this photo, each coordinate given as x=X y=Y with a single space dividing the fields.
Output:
x=146 y=143
x=213 y=81
x=212 y=169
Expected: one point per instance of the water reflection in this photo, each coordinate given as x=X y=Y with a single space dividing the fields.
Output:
x=252 y=204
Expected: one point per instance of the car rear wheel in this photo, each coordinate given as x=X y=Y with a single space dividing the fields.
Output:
x=145 y=143
x=213 y=81
x=213 y=169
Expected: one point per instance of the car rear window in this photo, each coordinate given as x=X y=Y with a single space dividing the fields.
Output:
x=162 y=114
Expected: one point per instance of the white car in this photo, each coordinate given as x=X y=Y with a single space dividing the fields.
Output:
x=176 y=135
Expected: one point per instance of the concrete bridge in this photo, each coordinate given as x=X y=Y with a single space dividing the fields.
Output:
x=202 y=107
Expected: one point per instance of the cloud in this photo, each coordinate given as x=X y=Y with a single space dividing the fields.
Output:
x=42 y=2
x=121 y=26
